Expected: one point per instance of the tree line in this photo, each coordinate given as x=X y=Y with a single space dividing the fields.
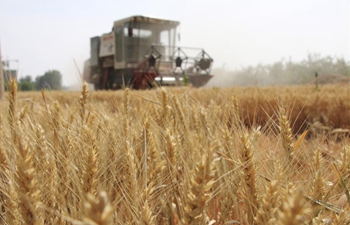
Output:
x=52 y=80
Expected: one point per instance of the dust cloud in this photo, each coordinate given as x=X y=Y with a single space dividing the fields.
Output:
x=323 y=69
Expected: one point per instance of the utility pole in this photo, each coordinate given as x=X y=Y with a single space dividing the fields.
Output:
x=2 y=85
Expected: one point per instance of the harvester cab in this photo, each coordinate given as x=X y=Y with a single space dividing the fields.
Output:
x=141 y=52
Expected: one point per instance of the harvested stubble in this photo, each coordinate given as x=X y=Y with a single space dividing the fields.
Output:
x=175 y=156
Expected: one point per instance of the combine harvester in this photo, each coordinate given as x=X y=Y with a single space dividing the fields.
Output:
x=141 y=52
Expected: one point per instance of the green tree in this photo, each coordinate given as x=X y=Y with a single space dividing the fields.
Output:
x=52 y=79
x=26 y=83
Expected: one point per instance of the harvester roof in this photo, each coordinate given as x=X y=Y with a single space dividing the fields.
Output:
x=149 y=19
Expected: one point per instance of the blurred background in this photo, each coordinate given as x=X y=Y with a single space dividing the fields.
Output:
x=252 y=42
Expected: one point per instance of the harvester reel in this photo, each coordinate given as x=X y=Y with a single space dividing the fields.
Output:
x=179 y=60
x=153 y=55
x=152 y=61
x=203 y=62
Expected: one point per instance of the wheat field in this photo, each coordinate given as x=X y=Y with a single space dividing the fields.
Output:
x=274 y=155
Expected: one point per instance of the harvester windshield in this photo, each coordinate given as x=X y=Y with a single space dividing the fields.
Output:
x=140 y=36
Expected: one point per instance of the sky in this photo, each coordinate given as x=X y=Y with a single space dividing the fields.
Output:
x=50 y=34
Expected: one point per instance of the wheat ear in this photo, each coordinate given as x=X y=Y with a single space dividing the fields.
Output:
x=294 y=209
x=248 y=175
x=91 y=163
x=98 y=210
x=12 y=99
x=286 y=138
x=200 y=192
x=270 y=199
x=27 y=184
x=83 y=101
x=318 y=184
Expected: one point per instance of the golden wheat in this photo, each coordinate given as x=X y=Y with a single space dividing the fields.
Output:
x=176 y=156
